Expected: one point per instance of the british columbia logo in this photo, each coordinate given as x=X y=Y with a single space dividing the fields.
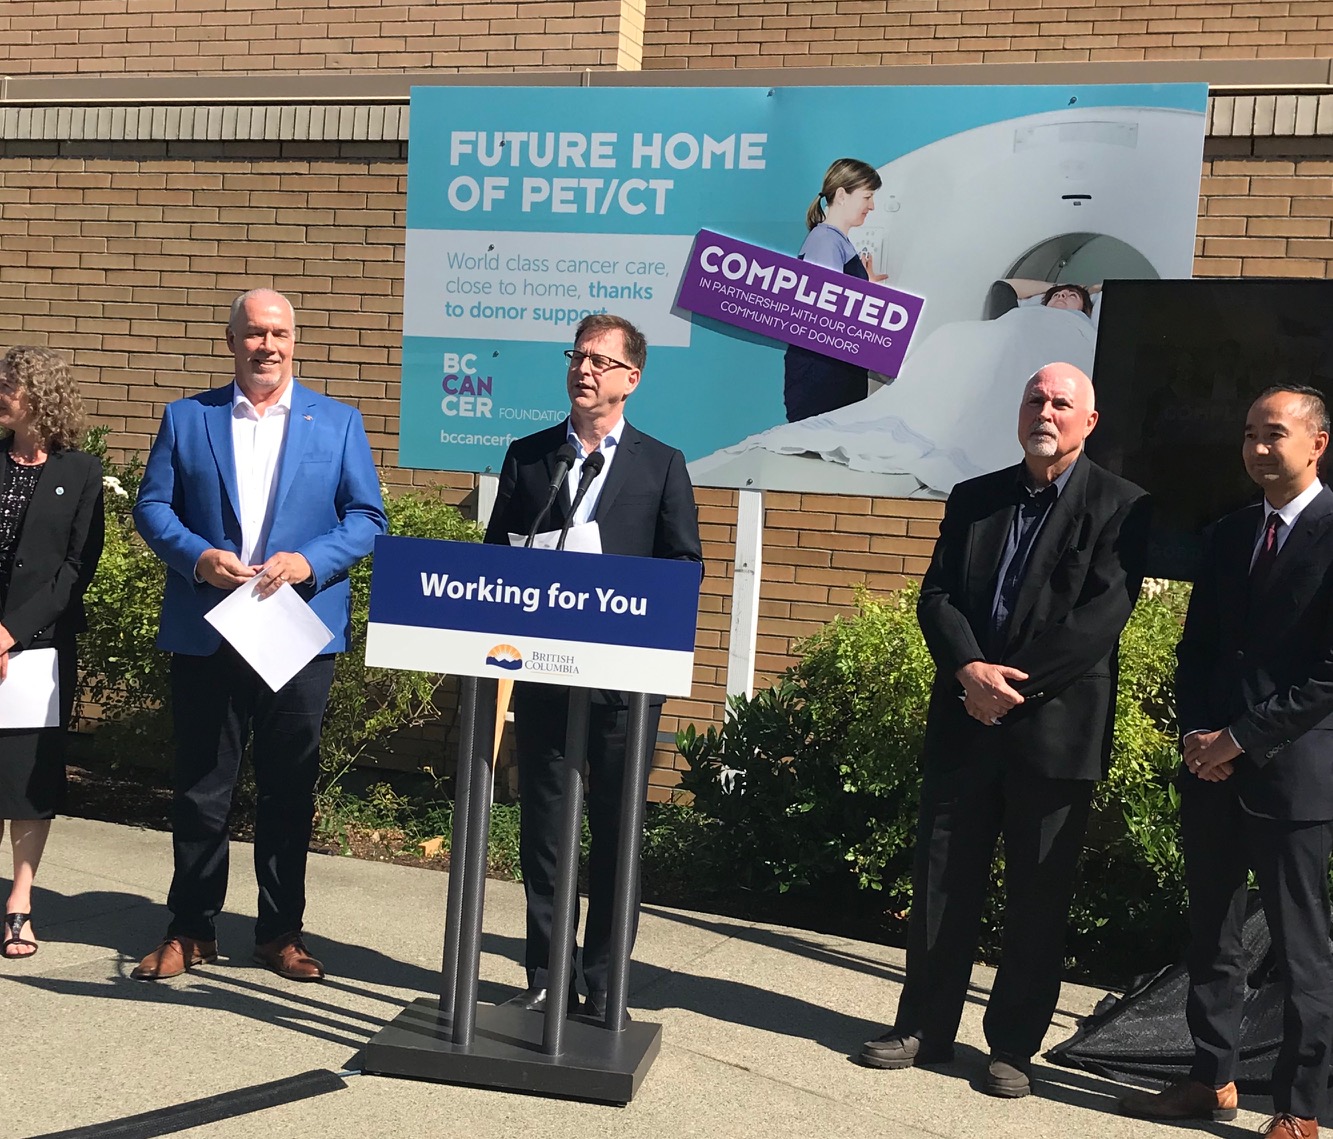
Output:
x=505 y=656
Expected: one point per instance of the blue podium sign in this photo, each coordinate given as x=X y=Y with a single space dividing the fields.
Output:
x=552 y=617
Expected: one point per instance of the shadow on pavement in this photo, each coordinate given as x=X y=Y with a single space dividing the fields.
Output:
x=128 y=925
x=820 y=949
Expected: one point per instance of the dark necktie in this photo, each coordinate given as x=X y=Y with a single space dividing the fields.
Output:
x=1030 y=513
x=1268 y=547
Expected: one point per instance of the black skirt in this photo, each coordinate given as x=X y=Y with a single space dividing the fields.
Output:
x=32 y=760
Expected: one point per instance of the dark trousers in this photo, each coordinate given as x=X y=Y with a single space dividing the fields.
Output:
x=540 y=715
x=1221 y=843
x=217 y=702
x=963 y=811
x=815 y=384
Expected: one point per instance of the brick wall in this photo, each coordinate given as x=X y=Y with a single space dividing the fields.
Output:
x=865 y=33
x=125 y=256
x=129 y=260
x=1265 y=211
x=202 y=37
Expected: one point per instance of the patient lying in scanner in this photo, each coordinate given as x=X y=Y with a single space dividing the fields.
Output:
x=947 y=415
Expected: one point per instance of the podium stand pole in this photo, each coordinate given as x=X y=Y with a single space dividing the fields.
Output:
x=560 y=964
x=638 y=748
x=414 y=625
x=476 y=835
x=507 y=1046
x=467 y=701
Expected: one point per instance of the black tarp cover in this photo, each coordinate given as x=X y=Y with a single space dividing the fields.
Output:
x=1142 y=1036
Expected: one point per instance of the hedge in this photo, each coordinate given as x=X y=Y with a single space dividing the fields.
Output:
x=811 y=786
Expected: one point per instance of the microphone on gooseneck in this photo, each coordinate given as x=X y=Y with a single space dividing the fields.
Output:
x=564 y=460
x=592 y=467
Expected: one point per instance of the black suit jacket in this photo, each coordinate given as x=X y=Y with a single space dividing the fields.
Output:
x=646 y=508
x=1082 y=580
x=58 y=548
x=1263 y=667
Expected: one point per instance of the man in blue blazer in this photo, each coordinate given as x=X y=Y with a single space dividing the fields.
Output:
x=261 y=477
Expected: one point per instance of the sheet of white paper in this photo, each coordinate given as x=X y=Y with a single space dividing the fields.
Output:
x=30 y=694
x=585 y=538
x=277 y=635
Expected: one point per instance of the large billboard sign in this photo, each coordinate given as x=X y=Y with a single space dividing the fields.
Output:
x=959 y=208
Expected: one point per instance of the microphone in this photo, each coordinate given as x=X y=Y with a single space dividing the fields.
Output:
x=592 y=467
x=564 y=460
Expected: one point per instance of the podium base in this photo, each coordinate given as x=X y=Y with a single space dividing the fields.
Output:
x=506 y=1053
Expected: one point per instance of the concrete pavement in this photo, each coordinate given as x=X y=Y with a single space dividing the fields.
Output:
x=759 y=1021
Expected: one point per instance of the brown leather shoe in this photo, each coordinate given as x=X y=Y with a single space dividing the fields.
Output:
x=288 y=957
x=1284 y=1126
x=1184 y=1099
x=175 y=955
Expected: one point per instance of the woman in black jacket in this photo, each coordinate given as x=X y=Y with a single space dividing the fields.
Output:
x=51 y=528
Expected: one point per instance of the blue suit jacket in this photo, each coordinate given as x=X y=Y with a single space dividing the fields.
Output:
x=327 y=507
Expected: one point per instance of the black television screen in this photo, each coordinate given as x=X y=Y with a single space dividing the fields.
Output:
x=1178 y=364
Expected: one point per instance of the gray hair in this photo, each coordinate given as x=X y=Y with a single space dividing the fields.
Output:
x=239 y=303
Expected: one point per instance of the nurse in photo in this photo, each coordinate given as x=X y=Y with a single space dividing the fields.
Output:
x=812 y=383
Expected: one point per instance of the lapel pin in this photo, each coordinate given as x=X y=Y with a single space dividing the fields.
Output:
x=308 y=418
x=60 y=490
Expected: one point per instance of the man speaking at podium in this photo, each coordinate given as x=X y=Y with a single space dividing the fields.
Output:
x=637 y=490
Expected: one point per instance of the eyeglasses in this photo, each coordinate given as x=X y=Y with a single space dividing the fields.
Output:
x=599 y=362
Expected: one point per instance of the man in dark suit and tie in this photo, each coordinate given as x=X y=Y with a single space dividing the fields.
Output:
x=643 y=505
x=1254 y=699
x=1035 y=573
x=259 y=478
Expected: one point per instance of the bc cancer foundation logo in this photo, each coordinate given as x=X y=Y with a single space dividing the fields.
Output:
x=505 y=656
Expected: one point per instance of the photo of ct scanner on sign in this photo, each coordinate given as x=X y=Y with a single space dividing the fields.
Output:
x=976 y=223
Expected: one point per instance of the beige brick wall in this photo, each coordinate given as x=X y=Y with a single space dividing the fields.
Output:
x=868 y=33
x=126 y=259
x=129 y=263
x=212 y=37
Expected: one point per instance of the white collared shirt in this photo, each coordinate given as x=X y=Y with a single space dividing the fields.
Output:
x=1288 y=514
x=256 y=442
x=608 y=446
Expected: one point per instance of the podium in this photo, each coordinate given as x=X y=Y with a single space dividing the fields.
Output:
x=584 y=621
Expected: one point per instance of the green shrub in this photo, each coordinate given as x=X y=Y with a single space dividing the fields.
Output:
x=125 y=682
x=812 y=785
x=818 y=775
x=367 y=706
x=391 y=823
x=124 y=679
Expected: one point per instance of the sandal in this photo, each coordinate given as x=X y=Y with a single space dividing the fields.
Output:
x=14 y=924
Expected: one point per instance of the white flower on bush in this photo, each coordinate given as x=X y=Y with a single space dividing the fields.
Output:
x=112 y=484
x=1152 y=586
x=727 y=777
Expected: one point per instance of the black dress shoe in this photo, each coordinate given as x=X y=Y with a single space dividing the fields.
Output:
x=595 y=1007
x=534 y=1000
x=902 y=1050
x=1008 y=1076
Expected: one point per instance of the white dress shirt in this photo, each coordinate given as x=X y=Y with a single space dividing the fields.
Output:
x=256 y=442
x=607 y=447
x=1288 y=514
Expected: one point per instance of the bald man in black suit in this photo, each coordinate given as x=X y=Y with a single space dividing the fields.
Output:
x=1035 y=573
